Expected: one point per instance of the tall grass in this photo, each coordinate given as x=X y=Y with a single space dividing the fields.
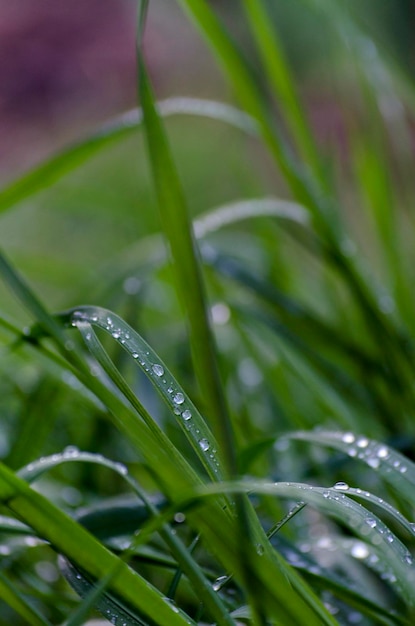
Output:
x=242 y=376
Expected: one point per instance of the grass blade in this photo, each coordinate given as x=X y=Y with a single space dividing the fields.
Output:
x=190 y=288
x=80 y=547
x=395 y=469
x=122 y=127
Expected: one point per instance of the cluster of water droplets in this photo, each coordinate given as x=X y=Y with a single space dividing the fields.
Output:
x=372 y=452
x=147 y=360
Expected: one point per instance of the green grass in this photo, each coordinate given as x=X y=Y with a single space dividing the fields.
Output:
x=207 y=398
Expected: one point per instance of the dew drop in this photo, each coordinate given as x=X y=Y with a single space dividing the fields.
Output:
x=186 y=415
x=348 y=438
x=359 y=550
x=259 y=549
x=71 y=451
x=121 y=469
x=371 y=522
x=382 y=452
x=158 y=369
x=341 y=486
x=179 y=518
x=135 y=355
x=204 y=444
x=178 y=398
x=362 y=442
x=373 y=462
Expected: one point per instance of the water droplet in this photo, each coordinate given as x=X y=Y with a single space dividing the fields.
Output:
x=110 y=322
x=135 y=355
x=186 y=415
x=362 y=442
x=178 y=398
x=359 y=550
x=121 y=468
x=348 y=438
x=204 y=444
x=373 y=462
x=116 y=334
x=371 y=522
x=179 y=518
x=383 y=452
x=158 y=369
x=341 y=486
x=259 y=549
x=71 y=451
x=403 y=469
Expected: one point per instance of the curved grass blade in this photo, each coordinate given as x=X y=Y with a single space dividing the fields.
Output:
x=179 y=403
x=55 y=168
x=149 y=252
x=73 y=541
x=240 y=210
x=396 y=469
x=202 y=587
x=334 y=503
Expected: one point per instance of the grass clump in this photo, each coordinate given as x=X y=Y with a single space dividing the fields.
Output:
x=242 y=376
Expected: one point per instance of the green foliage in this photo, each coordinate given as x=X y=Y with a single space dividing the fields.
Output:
x=237 y=437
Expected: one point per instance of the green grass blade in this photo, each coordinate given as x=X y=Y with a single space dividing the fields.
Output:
x=281 y=81
x=190 y=288
x=107 y=528
x=122 y=127
x=179 y=403
x=247 y=90
x=362 y=522
x=395 y=469
x=71 y=540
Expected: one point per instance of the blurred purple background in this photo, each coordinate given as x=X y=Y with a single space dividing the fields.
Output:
x=66 y=67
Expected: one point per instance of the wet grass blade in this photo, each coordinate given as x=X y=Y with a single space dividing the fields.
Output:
x=179 y=403
x=394 y=468
x=362 y=522
x=81 y=548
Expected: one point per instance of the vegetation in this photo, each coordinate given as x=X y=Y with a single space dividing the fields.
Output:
x=242 y=375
